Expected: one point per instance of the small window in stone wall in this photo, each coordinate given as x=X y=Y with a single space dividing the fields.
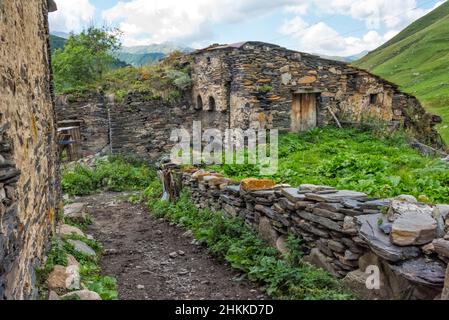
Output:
x=209 y=60
x=212 y=105
x=375 y=98
x=199 y=103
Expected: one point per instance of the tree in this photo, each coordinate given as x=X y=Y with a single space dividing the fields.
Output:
x=85 y=58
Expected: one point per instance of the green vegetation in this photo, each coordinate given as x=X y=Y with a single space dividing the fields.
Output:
x=284 y=277
x=84 y=58
x=165 y=80
x=113 y=174
x=417 y=59
x=382 y=165
x=90 y=271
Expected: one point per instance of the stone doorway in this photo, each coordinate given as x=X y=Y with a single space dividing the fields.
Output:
x=304 y=111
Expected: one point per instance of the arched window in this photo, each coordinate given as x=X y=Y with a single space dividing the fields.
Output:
x=211 y=103
x=199 y=103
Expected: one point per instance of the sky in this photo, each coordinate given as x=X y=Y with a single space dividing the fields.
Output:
x=327 y=27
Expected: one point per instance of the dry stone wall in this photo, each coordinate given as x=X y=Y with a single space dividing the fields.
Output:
x=342 y=231
x=92 y=111
x=28 y=162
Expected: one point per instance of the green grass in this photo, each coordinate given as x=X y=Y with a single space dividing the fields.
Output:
x=380 y=165
x=284 y=277
x=116 y=173
x=417 y=60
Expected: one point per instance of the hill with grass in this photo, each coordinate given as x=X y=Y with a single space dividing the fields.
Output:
x=417 y=59
x=57 y=42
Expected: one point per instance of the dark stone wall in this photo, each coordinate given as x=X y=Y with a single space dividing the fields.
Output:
x=93 y=112
x=29 y=175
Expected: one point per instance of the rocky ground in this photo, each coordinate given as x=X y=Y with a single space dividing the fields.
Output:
x=152 y=259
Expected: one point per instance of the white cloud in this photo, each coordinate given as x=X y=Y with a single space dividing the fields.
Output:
x=376 y=13
x=321 y=38
x=72 y=15
x=189 y=21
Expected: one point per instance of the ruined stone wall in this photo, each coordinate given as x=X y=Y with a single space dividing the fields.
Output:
x=260 y=79
x=343 y=232
x=93 y=112
x=143 y=127
x=28 y=166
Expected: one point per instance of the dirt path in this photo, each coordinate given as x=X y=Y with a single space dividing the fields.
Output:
x=139 y=253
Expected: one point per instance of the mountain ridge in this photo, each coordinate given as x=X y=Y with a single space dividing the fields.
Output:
x=417 y=59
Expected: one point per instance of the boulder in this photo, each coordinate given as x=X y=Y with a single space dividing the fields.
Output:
x=257 y=184
x=83 y=248
x=413 y=228
x=81 y=295
x=267 y=231
x=441 y=247
x=62 y=279
x=71 y=261
x=319 y=260
x=356 y=282
x=281 y=244
x=380 y=243
x=421 y=271
x=76 y=211
x=407 y=204
x=66 y=230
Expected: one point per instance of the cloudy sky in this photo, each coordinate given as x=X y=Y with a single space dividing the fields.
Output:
x=331 y=27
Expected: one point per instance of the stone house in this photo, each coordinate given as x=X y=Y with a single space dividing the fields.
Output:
x=260 y=85
x=28 y=161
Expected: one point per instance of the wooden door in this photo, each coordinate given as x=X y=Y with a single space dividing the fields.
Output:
x=303 y=114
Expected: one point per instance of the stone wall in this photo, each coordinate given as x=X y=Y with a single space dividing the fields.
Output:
x=93 y=112
x=342 y=231
x=28 y=166
x=137 y=125
x=256 y=83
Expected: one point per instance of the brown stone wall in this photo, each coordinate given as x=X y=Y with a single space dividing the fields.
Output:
x=259 y=80
x=28 y=167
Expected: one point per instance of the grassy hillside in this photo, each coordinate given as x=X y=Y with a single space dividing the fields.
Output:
x=417 y=59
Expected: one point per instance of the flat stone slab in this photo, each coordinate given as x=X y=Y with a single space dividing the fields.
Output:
x=337 y=196
x=83 y=248
x=380 y=243
x=328 y=223
x=292 y=194
x=422 y=271
x=311 y=188
x=413 y=228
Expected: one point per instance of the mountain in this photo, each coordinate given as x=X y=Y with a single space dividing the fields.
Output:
x=417 y=59
x=344 y=59
x=57 y=42
x=61 y=34
x=140 y=59
x=141 y=55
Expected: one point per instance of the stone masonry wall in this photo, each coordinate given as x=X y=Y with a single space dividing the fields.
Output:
x=93 y=112
x=28 y=166
x=256 y=83
x=134 y=126
x=343 y=232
